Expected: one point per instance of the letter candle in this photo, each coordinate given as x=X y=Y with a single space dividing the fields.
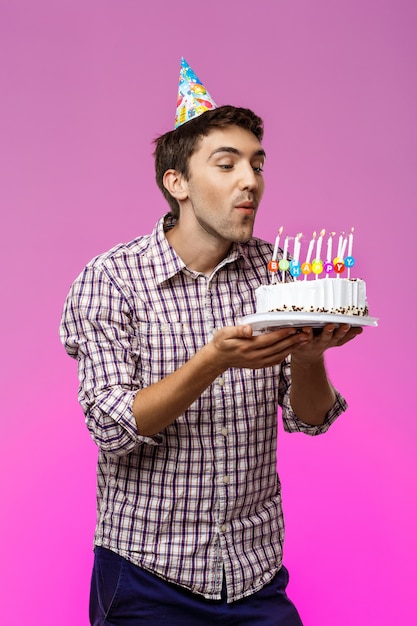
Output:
x=295 y=268
x=329 y=262
x=339 y=261
x=317 y=265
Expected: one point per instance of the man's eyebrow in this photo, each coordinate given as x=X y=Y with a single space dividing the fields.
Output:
x=231 y=150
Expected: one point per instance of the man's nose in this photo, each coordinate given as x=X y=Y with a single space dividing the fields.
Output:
x=248 y=178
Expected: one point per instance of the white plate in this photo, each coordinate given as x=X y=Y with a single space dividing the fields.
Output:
x=262 y=322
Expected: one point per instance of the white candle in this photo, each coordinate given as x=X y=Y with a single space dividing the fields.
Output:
x=275 y=253
x=319 y=244
x=284 y=256
x=329 y=248
x=350 y=248
x=343 y=250
x=297 y=247
x=340 y=244
x=310 y=248
x=350 y=242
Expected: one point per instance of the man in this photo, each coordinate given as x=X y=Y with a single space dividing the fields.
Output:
x=182 y=400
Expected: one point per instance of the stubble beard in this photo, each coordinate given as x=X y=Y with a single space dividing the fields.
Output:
x=227 y=231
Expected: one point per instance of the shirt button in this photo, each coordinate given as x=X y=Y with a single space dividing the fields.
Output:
x=223 y=528
x=224 y=431
x=226 y=480
x=220 y=381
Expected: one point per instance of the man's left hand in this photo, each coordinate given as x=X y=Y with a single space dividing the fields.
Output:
x=316 y=344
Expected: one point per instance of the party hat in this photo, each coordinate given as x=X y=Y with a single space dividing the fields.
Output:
x=193 y=97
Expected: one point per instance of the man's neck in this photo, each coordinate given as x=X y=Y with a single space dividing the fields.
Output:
x=200 y=254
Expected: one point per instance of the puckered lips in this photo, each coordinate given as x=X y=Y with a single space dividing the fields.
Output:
x=247 y=207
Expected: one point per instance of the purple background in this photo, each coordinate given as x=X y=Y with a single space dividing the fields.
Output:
x=85 y=87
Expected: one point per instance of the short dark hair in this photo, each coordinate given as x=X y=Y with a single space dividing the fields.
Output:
x=174 y=149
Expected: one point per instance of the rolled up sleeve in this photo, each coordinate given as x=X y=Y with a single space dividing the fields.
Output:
x=98 y=331
x=291 y=423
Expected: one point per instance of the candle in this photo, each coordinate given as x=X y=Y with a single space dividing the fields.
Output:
x=284 y=264
x=340 y=255
x=275 y=253
x=310 y=248
x=285 y=254
x=339 y=247
x=297 y=247
x=295 y=268
x=350 y=242
x=350 y=249
x=329 y=262
x=317 y=264
x=329 y=247
x=343 y=250
x=306 y=265
x=319 y=244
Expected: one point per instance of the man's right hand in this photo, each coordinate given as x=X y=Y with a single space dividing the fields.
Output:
x=236 y=346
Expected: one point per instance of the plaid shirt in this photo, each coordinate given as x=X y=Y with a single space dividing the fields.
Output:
x=202 y=497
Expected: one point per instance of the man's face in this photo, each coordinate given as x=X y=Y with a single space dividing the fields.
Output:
x=225 y=184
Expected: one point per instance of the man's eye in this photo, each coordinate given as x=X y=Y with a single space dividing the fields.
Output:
x=225 y=166
x=258 y=169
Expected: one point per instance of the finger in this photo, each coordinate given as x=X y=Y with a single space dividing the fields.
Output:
x=235 y=332
x=334 y=331
x=353 y=332
x=329 y=336
x=338 y=336
x=246 y=331
x=274 y=337
x=273 y=347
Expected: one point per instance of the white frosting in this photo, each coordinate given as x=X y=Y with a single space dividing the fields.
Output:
x=325 y=295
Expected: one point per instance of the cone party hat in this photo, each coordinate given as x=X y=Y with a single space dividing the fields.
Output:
x=193 y=98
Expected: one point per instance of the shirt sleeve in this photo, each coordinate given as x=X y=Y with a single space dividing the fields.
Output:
x=97 y=330
x=292 y=424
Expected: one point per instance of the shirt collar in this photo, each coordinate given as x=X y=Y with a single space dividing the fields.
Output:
x=166 y=261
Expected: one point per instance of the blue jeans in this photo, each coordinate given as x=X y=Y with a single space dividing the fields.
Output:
x=126 y=595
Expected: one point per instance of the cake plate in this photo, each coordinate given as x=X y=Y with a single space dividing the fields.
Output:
x=263 y=322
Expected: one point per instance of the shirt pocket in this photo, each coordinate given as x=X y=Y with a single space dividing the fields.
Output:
x=163 y=348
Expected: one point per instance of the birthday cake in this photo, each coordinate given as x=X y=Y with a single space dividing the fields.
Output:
x=311 y=288
x=340 y=296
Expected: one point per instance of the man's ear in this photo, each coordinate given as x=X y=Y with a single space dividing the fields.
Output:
x=176 y=184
